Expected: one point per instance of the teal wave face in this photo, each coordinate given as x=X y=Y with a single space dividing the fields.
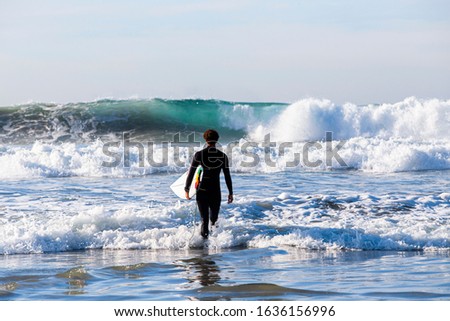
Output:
x=156 y=118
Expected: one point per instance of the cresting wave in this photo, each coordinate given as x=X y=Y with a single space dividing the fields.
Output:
x=45 y=140
x=304 y=120
x=153 y=119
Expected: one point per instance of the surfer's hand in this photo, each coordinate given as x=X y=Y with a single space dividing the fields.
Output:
x=187 y=195
x=230 y=198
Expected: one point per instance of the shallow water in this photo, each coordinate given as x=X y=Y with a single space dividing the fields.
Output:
x=238 y=274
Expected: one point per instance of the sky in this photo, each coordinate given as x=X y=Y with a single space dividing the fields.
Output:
x=238 y=50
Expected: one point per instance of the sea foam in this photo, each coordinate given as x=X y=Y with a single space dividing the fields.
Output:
x=310 y=119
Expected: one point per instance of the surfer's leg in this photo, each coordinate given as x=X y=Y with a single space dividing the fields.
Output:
x=214 y=205
x=203 y=208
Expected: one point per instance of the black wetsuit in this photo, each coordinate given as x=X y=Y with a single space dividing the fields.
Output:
x=208 y=193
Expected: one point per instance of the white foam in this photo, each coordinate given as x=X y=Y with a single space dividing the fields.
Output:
x=318 y=222
x=69 y=159
x=366 y=154
x=309 y=119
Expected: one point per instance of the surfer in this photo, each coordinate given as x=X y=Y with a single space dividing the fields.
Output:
x=209 y=196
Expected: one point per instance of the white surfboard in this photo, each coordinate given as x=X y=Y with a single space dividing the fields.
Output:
x=178 y=186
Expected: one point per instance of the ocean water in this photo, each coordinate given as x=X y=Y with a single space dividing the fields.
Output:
x=331 y=202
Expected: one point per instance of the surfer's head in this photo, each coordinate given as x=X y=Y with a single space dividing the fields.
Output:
x=211 y=136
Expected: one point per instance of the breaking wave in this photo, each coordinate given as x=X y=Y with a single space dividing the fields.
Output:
x=50 y=140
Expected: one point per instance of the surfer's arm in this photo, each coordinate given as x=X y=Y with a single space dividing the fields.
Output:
x=195 y=163
x=226 y=172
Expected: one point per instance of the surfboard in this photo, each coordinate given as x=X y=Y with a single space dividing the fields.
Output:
x=178 y=186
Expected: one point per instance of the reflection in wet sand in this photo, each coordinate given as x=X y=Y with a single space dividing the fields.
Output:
x=203 y=270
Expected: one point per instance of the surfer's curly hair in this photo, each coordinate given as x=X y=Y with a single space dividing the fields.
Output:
x=211 y=136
